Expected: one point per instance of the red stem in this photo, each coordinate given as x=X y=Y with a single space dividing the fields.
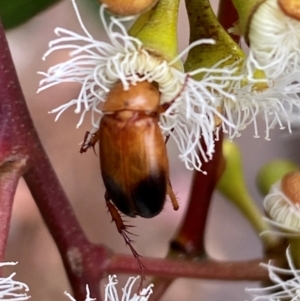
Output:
x=208 y=269
x=18 y=136
x=190 y=237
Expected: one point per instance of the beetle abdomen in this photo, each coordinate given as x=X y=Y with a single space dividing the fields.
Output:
x=136 y=173
x=146 y=199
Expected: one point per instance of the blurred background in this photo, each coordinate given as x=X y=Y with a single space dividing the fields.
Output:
x=228 y=237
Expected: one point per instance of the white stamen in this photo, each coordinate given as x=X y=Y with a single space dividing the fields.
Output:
x=9 y=287
x=111 y=293
x=88 y=296
x=283 y=289
x=277 y=101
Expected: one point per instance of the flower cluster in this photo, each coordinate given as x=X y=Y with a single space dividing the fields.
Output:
x=98 y=66
x=230 y=96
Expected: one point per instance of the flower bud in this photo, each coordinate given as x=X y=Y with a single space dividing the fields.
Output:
x=270 y=29
x=232 y=185
x=290 y=185
x=128 y=7
x=290 y=8
x=282 y=204
x=272 y=172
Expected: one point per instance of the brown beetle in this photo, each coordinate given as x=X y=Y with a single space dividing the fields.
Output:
x=133 y=156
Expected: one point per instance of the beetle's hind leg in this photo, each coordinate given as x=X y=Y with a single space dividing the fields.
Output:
x=172 y=196
x=123 y=230
x=89 y=140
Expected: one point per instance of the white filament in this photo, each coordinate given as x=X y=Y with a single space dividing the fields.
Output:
x=10 y=288
x=111 y=293
x=285 y=287
x=277 y=102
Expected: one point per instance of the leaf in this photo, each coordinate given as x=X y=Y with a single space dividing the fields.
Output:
x=15 y=12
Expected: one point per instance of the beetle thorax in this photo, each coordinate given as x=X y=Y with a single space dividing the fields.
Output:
x=143 y=96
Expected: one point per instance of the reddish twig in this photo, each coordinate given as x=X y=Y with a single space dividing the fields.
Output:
x=19 y=138
x=208 y=269
x=13 y=158
x=190 y=237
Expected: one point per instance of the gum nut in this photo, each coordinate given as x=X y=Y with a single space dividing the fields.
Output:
x=128 y=7
x=290 y=185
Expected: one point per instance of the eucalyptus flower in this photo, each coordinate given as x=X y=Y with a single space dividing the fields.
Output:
x=274 y=39
x=283 y=207
x=273 y=36
x=276 y=101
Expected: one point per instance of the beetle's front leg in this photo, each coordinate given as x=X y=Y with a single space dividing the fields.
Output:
x=172 y=196
x=123 y=230
x=89 y=140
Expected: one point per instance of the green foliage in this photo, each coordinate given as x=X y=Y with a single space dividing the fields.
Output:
x=15 y=12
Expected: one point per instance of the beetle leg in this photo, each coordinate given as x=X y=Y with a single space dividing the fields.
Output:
x=89 y=140
x=168 y=137
x=123 y=230
x=172 y=196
